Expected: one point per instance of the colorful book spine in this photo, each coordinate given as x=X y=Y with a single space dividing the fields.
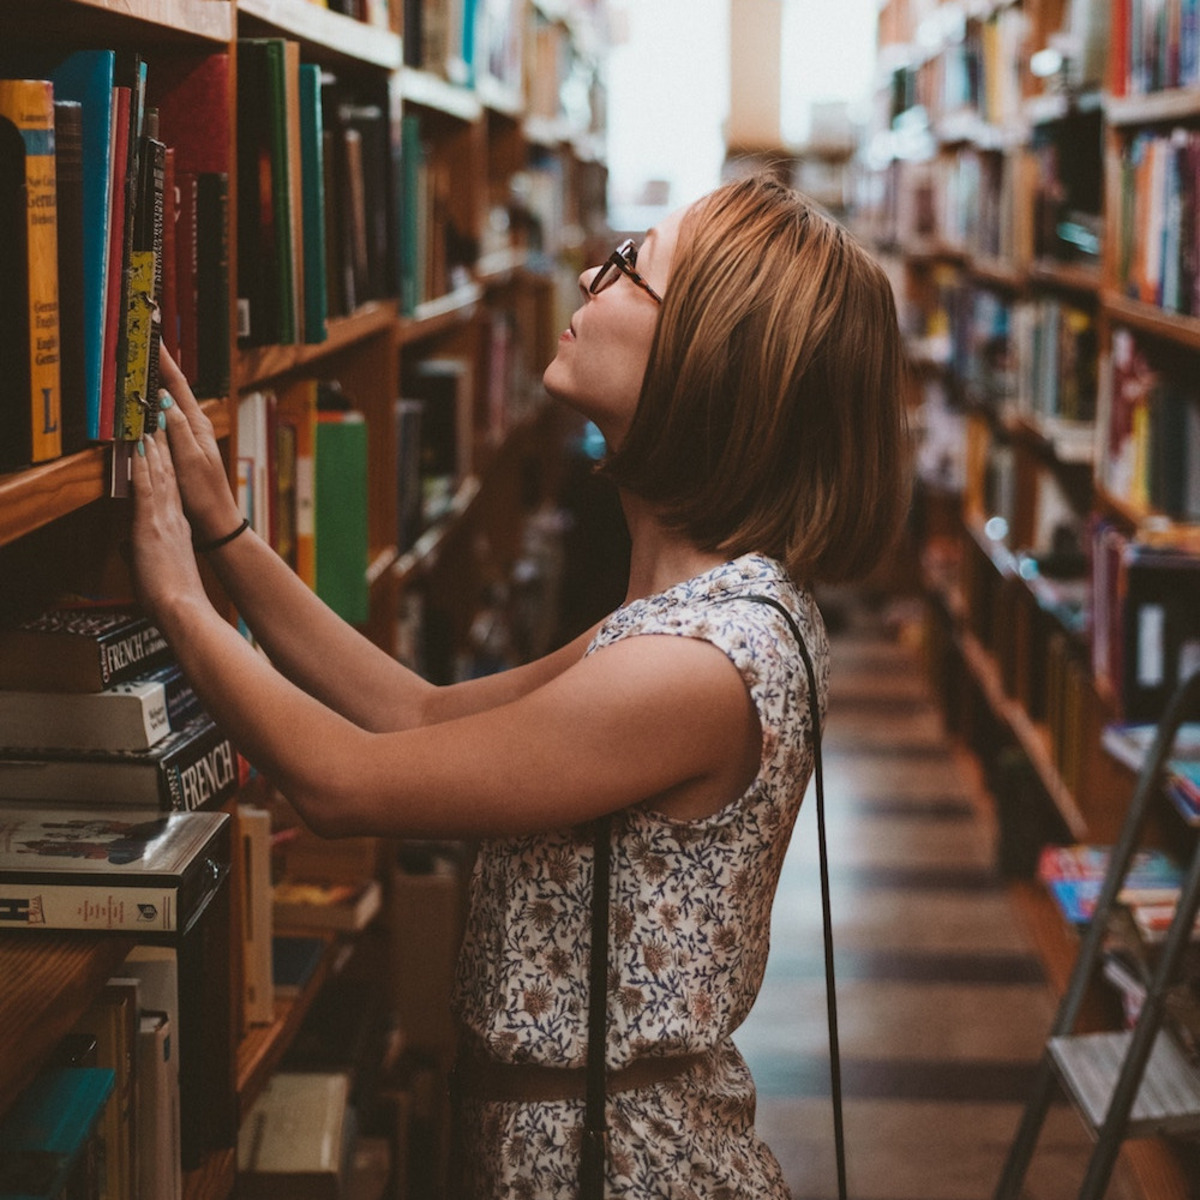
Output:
x=28 y=106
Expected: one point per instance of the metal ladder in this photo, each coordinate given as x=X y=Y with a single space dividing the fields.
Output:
x=1125 y=1084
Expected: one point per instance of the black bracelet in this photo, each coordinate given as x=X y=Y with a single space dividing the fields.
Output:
x=217 y=543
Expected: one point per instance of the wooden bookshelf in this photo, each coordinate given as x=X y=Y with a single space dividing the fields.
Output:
x=477 y=139
x=1011 y=672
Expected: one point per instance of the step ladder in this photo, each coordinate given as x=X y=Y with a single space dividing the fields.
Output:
x=1133 y=1083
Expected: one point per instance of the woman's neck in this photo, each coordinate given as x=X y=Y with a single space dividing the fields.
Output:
x=659 y=556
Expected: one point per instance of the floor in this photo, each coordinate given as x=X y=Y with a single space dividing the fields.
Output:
x=942 y=1005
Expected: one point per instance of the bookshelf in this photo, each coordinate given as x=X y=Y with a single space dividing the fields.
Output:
x=507 y=202
x=999 y=183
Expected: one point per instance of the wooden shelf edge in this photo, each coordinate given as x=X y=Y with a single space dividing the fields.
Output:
x=432 y=317
x=212 y=20
x=36 y=496
x=433 y=92
x=422 y=554
x=1148 y=318
x=325 y=30
x=258 y=364
x=50 y=979
x=1172 y=104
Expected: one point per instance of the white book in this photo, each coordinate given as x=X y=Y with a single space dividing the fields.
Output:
x=126 y=716
x=159 y=1172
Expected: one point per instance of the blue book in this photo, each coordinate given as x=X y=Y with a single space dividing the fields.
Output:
x=87 y=77
x=45 y=1137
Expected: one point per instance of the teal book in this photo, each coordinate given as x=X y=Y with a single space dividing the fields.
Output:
x=312 y=175
x=341 y=514
x=86 y=77
x=46 y=1138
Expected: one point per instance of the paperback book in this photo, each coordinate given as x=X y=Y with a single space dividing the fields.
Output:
x=1075 y=874
x=76 y=869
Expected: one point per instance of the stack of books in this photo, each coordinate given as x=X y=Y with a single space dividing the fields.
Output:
x=95 y=712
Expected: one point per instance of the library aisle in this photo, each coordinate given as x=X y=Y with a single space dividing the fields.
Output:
x=943 y=1006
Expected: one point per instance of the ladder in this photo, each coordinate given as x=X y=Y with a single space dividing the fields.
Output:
x=1136 y=1082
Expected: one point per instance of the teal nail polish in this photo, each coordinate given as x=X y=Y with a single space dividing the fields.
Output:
x=141 y=448
x=162 y=420
x=164 y=400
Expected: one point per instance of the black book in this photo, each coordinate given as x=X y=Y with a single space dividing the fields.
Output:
x=212 y=284
x=14 y=299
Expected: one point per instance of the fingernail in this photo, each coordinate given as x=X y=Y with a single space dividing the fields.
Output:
x=162 y=420
x=141 y=448
x=164 y=400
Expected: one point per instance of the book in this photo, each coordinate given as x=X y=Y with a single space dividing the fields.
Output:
x=86 y=76
x=1075 y=874
x=316 y=301
x=30 y=386
x=341 y=514
x=212 y=285
x=79 y=649
x=296 y=410
x=193 y=767
x=188 y=975
x=320 y=904
x=254 y=828
x=159 y=1172
x=72 y=313
x=47 y=1138
x=125 y=716
x=295 y=1139
x=114 y=290
x=79 y=869
x=112 y=1021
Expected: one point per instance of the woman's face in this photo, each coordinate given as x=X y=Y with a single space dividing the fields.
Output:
x=602 y=356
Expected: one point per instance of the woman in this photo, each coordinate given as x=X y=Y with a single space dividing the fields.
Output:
x=743 y=365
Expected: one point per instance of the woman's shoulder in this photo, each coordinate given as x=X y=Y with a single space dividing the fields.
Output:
x=731 y=602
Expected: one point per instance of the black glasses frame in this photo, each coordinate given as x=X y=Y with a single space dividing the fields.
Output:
x=622 y=260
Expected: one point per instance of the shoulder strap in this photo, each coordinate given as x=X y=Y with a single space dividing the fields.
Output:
x=595 y=1130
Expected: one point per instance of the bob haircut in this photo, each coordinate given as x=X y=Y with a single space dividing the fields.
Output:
x=771 y=415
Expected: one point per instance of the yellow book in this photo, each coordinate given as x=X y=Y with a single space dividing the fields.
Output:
x=29 y=105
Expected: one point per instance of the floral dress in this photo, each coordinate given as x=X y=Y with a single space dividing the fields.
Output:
x=690 y=921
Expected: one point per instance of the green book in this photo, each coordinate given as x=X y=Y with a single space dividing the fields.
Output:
x=316 y=302
x=341 y=514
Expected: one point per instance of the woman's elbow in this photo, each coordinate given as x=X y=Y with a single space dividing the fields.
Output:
x=328 y=809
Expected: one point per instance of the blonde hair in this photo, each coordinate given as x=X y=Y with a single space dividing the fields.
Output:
x=771 y=415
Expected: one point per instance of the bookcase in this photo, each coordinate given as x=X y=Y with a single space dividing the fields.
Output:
x=1027 y=181
x=450 y=260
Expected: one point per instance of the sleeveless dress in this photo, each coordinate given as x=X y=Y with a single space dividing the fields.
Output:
x=689 y=932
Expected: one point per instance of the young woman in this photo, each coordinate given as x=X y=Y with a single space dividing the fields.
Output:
x=743 y=364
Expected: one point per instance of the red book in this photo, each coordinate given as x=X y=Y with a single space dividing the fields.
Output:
x=116 y=244
x=193 y=113
x=185 y=274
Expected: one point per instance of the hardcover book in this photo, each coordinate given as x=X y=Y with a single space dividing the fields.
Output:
x=79 y=869
x=72 y=313
x=158 y=1152
x=30 y=384
x=79 y=649
x=193 y=767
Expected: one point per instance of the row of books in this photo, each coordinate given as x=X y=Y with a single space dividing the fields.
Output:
x=1157 y=235
x=1150 y=431
x=1155 y=45
x=465 y=41
x=1130 y=744
x=115 y=179
x=1145 y=627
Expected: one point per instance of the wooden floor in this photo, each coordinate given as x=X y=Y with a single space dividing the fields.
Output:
x=943 y=1005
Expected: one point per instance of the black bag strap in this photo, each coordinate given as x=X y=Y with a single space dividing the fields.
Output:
x=595 y=1130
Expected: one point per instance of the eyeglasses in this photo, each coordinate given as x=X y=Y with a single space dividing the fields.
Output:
x=623 y=260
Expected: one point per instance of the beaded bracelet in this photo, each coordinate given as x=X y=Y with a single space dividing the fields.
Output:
x=217 y=543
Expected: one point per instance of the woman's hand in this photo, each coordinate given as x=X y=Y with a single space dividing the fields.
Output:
x=161 y=555
x=207 y=499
